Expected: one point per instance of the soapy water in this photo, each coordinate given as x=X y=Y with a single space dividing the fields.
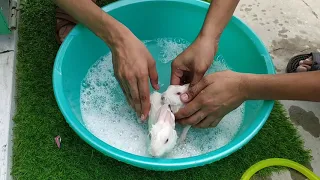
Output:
x=107 y=115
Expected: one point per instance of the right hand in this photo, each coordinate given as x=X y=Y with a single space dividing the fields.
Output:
x=212 y=98
x=133 y=66
x=191 y=65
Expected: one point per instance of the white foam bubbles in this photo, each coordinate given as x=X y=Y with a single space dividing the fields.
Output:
x=218 y=65
x=200 y=141
x=107 y=115
x=167 y=48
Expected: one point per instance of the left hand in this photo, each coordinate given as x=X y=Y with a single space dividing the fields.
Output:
x=212 y=98
x=134 y=66
x=191 y=65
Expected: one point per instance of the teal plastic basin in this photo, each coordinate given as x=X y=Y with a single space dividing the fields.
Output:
x=150 y=19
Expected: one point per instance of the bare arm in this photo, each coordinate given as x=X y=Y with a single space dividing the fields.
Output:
x=219 y=93
x=218 y=16
x=132 y=62
x=93 y=17
x=191 y=65
x=304 y=86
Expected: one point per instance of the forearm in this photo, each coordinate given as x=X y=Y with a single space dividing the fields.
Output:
x=93 y=17
x=218 y=16
x=295 y=86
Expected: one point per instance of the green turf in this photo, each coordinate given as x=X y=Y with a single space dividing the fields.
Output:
x=38 y=121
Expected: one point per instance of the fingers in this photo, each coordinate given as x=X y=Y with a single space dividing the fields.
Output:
x=196 y=78
x=127 y=94
x=134 y=91
x=153 y=74
x=195 y=90
x=176 y=73
x=195 y=118
x=208 y=122
x=201 y=119
x=125 y=90
x=188 y=110
x=144 y=97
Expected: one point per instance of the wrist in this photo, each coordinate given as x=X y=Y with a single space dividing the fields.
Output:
x=212 y=33
x=212 y=37
x=115 y=37
x=113 y=33
x=256 y=86
x=246 y=80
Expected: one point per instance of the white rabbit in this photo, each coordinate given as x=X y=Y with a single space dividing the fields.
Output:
x=172 y=96
x=162 y=133
x=155 y=101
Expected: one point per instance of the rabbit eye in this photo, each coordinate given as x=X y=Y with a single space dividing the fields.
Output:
x=178 y=93
x=167 y=140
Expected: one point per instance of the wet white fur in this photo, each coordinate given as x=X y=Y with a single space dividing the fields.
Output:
x=162 y=134
x=172 y=96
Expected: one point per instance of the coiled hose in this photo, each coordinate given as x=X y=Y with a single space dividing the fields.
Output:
x=279 y=162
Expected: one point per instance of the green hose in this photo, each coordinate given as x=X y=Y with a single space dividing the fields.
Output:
x=279 y=162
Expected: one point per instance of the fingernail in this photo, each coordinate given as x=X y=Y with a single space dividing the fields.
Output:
x=184 y=97
x=142 y=117
x=157 y=86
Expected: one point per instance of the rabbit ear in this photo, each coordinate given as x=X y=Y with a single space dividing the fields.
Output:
x=165 y=114
x=162 y=112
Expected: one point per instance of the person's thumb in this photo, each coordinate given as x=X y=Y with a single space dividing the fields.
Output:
x=153 y=74
x=193 y=91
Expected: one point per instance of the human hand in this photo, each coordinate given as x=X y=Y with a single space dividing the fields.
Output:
x=212 y=98
x=133 y=66
x=191 y=65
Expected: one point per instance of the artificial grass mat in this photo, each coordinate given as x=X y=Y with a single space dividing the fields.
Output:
x=38 y=120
